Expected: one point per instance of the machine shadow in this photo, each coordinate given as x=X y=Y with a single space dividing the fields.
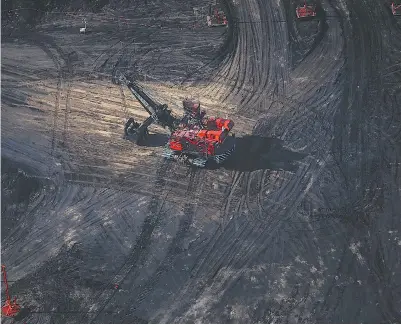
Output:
x=153 y=140
x=260 y=153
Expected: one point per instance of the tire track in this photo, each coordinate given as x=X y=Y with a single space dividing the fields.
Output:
x=55 y=219
x=233 y=253
x=363 y=78
x=155 y=214
x=249 y=84
x=174 y=249
x=63 y=64
x=69 y=75
x=230 y=252
x=57 y=62
x=189 y=210
x=256 y=226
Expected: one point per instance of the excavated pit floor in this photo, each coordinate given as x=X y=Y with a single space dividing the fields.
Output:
x=301 y=225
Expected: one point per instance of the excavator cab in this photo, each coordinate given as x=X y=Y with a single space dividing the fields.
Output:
x=191 y=106
x=193 y=112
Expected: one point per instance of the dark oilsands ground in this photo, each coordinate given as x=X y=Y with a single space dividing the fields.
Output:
x=303 y=224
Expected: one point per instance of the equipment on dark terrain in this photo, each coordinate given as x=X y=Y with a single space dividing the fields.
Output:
x=396 y=7
x=216 y=18
x=202 y=142
x=194 y=138
x=83 y=30
x=10 y=307
x=307 y=10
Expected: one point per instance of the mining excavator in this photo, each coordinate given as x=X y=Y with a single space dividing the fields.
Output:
x=306 y=9
x=194 y=137
x=216 y=18
x=10 y=308
x=396 y=7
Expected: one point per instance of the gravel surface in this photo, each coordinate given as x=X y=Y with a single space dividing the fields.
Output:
x=301 y=225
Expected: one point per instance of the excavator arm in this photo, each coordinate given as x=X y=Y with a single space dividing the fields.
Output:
x=147 y=103
x=158 y=113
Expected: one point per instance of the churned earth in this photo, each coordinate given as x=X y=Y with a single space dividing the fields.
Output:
x=302 y=224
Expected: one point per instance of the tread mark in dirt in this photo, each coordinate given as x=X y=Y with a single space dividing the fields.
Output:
x=174 y=249
x=233 y=253
x=95 y=67
x=46 y=44
x=109 y=52
x=220 y=230
x=131 y=186
x=67 y=99
x=55 y=114
x=67 y=112
x=155 y=214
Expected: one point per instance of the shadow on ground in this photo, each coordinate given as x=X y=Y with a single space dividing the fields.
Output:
x=259 y=153
x=252 y=153
x=153 y=140
x=18 y=189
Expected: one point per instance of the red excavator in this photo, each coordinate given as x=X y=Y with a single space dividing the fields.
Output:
x=10 y=307
x=216 y=18
x=396 y=7
x=306 y=10
x=194 y=137
x=201 y=142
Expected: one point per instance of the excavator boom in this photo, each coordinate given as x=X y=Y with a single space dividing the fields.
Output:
x=148 y=104
x=159 y=113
